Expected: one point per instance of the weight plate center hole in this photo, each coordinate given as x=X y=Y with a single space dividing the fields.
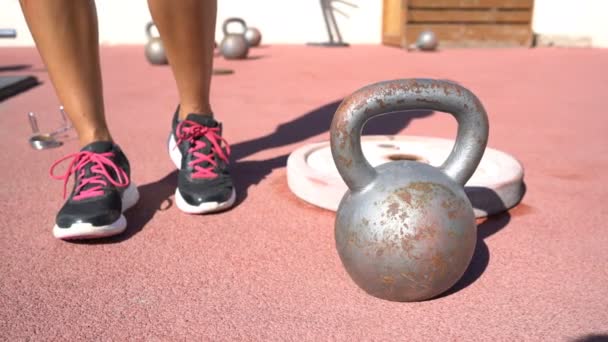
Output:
x=405 y=156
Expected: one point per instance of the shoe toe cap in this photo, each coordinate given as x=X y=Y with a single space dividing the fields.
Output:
x=194 y=197
x=98 y=212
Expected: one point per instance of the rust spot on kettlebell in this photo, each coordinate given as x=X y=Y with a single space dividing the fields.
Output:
x=346 y=162
x=393 y=209
x=425 y=232
x=439 y=265
x=446 y=91
x=407 y=246
x=388 y=279
x=381 y=103
x=341 y=127
x=421 y=186
x=353 y=240
x=478 y=106
x=454 y=214
x=405 y=196
x=427 y=101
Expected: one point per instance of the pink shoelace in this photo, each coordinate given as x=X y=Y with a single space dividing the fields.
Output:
x=98 y=177
x=191 y=131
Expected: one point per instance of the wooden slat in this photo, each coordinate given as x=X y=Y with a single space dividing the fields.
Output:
x=392 y=40
x=393 y=22
x=475 y=35
x=470 y=3
x=464 y=16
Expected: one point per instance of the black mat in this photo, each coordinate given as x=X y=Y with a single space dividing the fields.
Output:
x=13 y=85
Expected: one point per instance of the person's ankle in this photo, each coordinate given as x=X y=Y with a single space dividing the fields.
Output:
x=86 y=139
x=185 y=110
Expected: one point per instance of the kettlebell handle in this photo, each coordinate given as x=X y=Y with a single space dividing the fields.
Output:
x=233 y=20
x=408 y=94
x=149 y=27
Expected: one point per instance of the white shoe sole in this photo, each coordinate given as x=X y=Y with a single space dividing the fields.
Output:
x=205 y=207
x=89 y=231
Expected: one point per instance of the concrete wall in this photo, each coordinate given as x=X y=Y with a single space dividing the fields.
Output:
x=301 y=21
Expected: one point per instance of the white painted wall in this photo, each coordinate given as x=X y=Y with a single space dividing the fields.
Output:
x=580 y=18
x=301 y=21
x=280 y=21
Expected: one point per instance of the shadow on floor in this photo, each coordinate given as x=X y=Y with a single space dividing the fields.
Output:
x=592 y=338
x=153 y=197
x=14 y=85
x=255 y=57
x=317 y=122
x=15 y=67
x=313 y=123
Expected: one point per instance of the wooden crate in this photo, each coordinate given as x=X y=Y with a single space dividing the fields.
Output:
x=458 y=23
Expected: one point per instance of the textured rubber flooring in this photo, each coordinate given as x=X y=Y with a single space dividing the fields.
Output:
x=268 y=269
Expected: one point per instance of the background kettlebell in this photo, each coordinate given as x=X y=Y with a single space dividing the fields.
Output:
x=253 y=36
x=234 y=45
x=427 y=41
x=155 y=52
x=405 y=231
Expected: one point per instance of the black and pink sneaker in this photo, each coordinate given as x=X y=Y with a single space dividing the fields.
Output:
x=102 y=191
x=202 y=156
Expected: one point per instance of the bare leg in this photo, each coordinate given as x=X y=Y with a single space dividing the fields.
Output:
x=187 y=29
x=66 y=34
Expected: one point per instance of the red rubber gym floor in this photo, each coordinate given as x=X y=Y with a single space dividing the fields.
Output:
x=268 y=269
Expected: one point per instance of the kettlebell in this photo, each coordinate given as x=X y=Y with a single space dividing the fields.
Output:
x=253 y=36
x=405 y=231
x=234 y=45
x=155 y=52
x=427 y=41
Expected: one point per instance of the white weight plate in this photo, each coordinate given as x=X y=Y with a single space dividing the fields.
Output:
x=496 y=186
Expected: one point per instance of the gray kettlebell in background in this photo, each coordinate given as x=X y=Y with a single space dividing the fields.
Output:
x=155 y=52
x=253 y=36
x=234 y=45
x=427 y=41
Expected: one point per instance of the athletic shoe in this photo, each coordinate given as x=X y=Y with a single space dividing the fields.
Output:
x=198 y=150
x=102 y=192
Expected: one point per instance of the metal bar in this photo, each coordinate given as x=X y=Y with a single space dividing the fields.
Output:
x=33 y=122
x=340 y=11
x=8 y=33
x=347 y=3
x=325 y=8
x=332 y=19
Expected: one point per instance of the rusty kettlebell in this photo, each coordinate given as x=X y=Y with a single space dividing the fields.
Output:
x=405 y=231
x=234 y=45
x=155 y=52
